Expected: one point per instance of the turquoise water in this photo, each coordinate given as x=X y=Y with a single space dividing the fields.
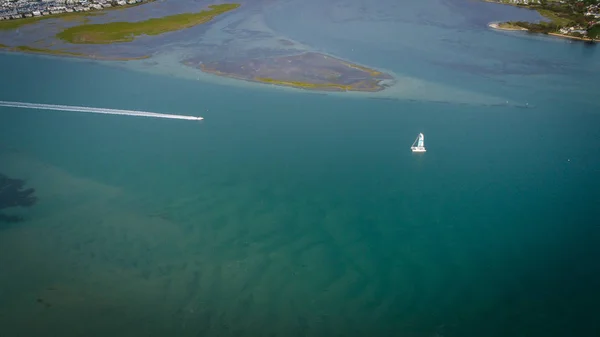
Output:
x=288 y=213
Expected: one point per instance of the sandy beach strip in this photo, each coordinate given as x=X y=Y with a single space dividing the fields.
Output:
x=572 y=37
x=496 y=25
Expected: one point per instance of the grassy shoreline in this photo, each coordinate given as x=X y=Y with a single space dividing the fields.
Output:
x=115 y=32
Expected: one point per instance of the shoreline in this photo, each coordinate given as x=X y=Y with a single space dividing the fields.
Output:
x=496 y=25
x=62 y=53
x=572 y=37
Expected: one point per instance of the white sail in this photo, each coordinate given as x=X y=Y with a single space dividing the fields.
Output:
x=420 y=141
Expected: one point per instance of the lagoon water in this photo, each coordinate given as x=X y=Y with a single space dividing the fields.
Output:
x=289 y=213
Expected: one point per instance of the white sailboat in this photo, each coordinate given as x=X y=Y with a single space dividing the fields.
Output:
x=420 y=142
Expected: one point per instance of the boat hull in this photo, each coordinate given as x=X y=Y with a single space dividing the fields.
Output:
x=418 y=149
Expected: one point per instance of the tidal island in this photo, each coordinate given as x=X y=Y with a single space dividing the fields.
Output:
x=308 y=70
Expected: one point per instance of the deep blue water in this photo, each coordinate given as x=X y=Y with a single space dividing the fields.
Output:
x=294 y=214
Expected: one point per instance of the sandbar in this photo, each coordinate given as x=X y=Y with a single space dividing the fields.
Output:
x=505 y=26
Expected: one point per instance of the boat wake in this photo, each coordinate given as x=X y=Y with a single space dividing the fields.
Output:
x=95 y=110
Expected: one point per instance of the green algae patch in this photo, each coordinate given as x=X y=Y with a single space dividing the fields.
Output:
x=127 y=31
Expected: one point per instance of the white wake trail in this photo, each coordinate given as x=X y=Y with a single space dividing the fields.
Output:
x=95 y=110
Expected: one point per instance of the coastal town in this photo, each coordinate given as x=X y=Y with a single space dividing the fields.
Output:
x=575 y=19
x=18 y=9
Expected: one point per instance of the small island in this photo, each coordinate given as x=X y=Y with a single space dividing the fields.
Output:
x=574 y=19
x=309 y=70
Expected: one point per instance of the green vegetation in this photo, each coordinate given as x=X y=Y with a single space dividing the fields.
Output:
x=594 y=32
x=559 y=18
x=541 y=27
x=568 y=14
x=127 y=31
x=509 y=25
